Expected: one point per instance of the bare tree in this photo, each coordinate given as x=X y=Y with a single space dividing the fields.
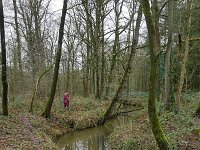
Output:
x=4 y=70
x=32 y=15
x=18 y=38
x=116 y=45
x=127 y=72
x=47 y=110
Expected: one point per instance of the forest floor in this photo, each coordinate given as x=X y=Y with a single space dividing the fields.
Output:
x=25 y=130
x=182 y=130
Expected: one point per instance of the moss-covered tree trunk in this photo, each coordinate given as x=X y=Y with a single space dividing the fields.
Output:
x=47 y=111
x=198 y=110
x=3 y=59
x=36 y=87
x=154 y=51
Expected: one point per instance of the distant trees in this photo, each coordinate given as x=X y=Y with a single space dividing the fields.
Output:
x=3 y=62
x=30 y=45
x=96 y=48
x=95 y=39
x=186 y=53
x=177 y=67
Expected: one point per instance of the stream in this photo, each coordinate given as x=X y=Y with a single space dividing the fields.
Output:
x=93 y=138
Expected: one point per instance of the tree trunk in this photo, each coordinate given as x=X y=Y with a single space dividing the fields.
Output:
x=47 y=111
x=87 y=73
x=94 y=33
x=115 y=48
x=167 y=98
x=18 y=39
x=198 y=110
x=97 y=46
x=102 y=52
x=127 y=86
x=185 y=58
x=4 y=70
x=72 y=72
x=18 y=72
x=154 y=50
x=69 y=56
x=36 y=87
x=127 y=70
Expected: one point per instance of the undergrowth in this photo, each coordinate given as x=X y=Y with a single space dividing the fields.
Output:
x=182 y=129
x=25 y=130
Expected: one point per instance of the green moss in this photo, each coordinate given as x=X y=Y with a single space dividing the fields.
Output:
x=198 y=110
x=196 y=131
x=158 y=132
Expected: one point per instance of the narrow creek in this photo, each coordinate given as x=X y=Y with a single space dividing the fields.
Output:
x=93 y=138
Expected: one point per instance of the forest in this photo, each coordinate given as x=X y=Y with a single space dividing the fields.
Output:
x=100 y=74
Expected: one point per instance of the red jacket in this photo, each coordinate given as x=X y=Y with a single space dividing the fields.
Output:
x=66 y=100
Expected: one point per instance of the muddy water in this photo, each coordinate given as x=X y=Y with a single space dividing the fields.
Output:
x=92 y=138
x=87 y=139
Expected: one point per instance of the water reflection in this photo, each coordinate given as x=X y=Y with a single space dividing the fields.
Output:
x=88 y=139
x=93 y=138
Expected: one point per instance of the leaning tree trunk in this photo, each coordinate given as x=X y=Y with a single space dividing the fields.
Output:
x=154 y=50
x=4 y=71
x=47 y=111
x=36 y=87
x=127 y=71
x=185 y=58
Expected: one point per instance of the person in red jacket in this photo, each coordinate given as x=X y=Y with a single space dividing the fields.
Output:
x=66 y=101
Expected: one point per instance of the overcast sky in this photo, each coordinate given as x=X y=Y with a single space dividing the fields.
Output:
x=57 y=4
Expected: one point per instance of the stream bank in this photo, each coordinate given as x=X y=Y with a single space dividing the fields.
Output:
x=133 y=131
x=23 y=130
x=95 y=138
